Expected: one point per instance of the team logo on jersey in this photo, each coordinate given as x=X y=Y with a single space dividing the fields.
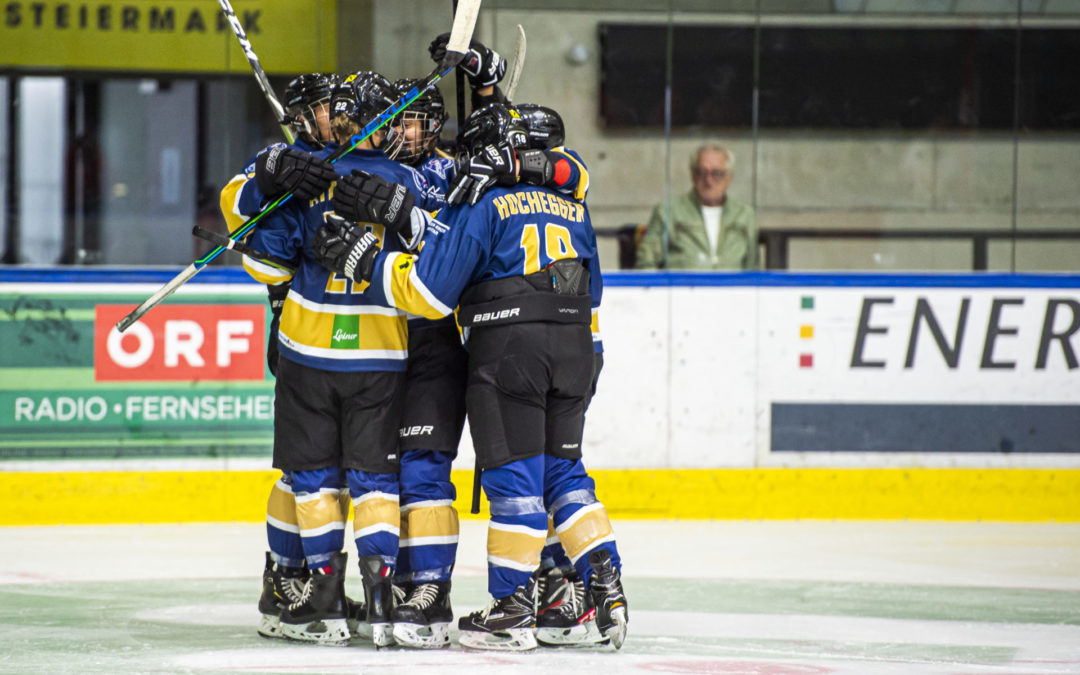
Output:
x=346 y=332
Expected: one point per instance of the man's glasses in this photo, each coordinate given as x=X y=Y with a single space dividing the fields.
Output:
x=715 y=174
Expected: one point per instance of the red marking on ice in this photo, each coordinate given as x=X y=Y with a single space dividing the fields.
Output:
x=806 y=360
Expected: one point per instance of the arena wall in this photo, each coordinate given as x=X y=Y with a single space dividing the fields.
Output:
x=750 y=395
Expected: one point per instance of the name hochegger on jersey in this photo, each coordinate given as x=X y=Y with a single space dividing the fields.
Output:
x=535 y=201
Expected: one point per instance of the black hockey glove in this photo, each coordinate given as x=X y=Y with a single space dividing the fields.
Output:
x=367 y=198
x=493 y=165
x=283 y=169
x=483 y=65
x=345 y=248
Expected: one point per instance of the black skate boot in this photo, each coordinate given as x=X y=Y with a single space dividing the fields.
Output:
x=320 y=614
x=569 y=618
x=551 y=587
x=423 y=620
x=379 y=598
x=507 y=624
x=605 y=589
x=281 y=587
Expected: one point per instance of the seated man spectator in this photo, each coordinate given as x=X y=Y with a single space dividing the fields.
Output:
x=709 y=230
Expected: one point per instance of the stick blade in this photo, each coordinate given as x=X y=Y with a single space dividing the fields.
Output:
x=519 y=64
x=461 y=33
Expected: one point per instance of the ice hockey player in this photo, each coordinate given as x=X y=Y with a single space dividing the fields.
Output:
x=340 y=379
x=307 y=106
x=526 y=299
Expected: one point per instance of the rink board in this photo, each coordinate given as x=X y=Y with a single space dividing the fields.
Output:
x=751 y=395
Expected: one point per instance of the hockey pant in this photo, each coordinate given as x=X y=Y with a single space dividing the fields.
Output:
x=517 y=533
x=429 y=521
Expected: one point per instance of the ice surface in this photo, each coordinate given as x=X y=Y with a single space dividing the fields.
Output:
x=713 y=597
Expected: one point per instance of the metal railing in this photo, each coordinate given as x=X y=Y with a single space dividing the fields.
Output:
x=776 y=242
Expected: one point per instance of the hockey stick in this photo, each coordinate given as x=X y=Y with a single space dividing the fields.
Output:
x=459 y=94
x=225 y=242
x=519 y=63
x=460 y=36
x=256 y=67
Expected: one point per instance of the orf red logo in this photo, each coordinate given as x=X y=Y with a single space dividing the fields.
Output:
x=181 y=342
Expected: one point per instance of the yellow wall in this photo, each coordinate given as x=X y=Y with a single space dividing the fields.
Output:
x=932 y=494
x=171 y=35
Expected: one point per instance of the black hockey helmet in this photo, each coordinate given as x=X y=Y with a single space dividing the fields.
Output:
x=545 y=126
x=302 y=96
x=361 y=96
x=428 y=111
x=493 y=124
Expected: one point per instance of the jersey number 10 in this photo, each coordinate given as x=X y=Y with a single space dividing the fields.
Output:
x=556 y=245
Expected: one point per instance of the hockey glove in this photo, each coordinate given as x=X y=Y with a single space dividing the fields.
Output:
x=493 y=165
x=282 y=169
x=482 y=65
x=345 y=248
x=367 y=198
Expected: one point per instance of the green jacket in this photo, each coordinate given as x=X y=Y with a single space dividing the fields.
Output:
x=688 y=243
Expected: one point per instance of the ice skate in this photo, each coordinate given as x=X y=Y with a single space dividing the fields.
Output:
x=379 y=598
x=281 y=587
x=423 y=620
x=356 y=619
x=320 y=614
x=507 y=624
x=551 y=588
x=569 y=618
x=605 y=589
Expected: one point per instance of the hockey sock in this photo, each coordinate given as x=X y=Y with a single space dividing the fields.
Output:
x=282 y=527
x=518 y=525
x=581 y=521
x=376 y=514
x=429 y=521
x=318 y=512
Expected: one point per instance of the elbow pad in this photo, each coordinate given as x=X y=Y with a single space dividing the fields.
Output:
x=536 y=168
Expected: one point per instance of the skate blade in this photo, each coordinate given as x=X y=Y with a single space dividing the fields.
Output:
x=382 y=634
x=513 y=640
x=419 y=636
x=582 y=635
x=328 y=632
x=617 y=632
x=360 y=630
x=270 y=626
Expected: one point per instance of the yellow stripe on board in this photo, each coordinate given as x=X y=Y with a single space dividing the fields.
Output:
x=864 y=494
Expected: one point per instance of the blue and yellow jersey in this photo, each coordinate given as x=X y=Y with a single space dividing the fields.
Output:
x=327 y=322
x=571 y=175
x=510 y=232
x=438 y=171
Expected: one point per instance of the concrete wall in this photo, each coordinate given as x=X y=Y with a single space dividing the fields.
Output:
x=858 y=180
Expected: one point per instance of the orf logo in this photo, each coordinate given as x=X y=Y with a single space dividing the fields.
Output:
x=181 y=342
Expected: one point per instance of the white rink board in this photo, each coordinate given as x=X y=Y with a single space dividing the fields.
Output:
x=691 y=373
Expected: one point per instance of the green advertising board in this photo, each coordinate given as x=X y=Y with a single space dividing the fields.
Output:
x=190 y=381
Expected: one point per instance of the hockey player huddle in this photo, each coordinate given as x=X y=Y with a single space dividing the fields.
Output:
x=388 y=244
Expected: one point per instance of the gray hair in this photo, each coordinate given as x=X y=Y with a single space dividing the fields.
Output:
x=713 y=147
